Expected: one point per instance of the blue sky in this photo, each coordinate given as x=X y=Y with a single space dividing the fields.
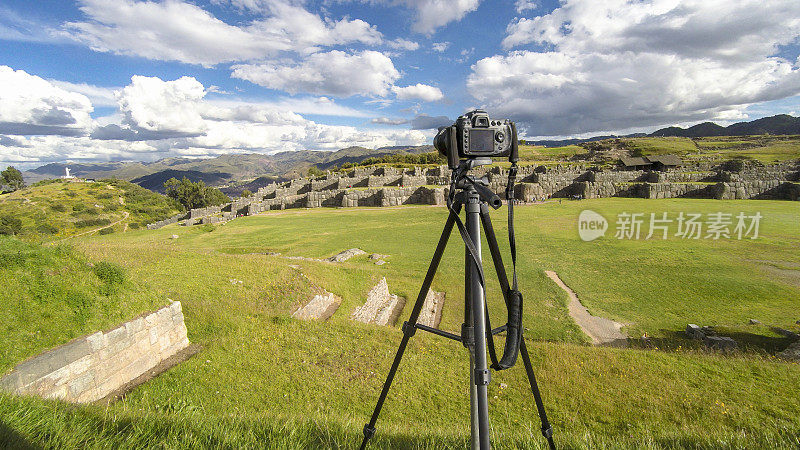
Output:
x=96 y=80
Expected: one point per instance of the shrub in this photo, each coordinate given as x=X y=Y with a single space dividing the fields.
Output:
x=134 y=226
x=78 y=207
x=10 y=225
x=105 y=231
x=92 y=223
x=111 y=275
x=46 y=228
x=208 y=228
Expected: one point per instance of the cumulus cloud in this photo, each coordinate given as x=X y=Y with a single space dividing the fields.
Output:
x=159 y=118
x=418 y=91
x=333 y=73
x=614 y=65
x=8 y=141
x=432 y=14
x=175 y=30
x=31 y=105
x=154 y=105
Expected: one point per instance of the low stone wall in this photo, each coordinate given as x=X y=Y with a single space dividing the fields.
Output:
x=162 y=223
x=92 y=367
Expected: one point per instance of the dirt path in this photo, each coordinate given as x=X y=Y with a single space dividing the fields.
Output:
x=124 y=216
x=602 y=331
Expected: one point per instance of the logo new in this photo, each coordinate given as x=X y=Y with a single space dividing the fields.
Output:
x=591 y=225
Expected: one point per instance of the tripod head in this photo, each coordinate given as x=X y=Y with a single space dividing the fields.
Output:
x=461 y=180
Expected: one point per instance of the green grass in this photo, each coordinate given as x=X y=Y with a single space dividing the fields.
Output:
x=264 y=379
x=648 y=146
x=56 y=209
x=538 y=153
x=51 y=295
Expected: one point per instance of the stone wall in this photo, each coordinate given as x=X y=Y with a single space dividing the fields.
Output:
x=162 y=223
x=389 y=186
x=92 y=367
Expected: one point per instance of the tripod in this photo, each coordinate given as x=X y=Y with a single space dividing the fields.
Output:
x=474 y=196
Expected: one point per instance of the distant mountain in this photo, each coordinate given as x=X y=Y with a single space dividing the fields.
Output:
x=566 y=142
x=234 y=171
x=780 y=124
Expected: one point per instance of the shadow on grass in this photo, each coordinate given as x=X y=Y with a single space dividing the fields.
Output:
x=9 y=438
x=748 y=342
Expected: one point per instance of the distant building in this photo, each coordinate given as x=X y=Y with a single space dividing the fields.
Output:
x=660 y=162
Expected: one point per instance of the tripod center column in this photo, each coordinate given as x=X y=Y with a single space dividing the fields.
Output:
x=480 y=375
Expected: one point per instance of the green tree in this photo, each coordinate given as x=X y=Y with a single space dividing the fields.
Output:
x=314 y=171
x=247 y=193
x=194 y=195
x=12 y=178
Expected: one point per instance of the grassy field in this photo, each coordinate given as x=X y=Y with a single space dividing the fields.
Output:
x=58 y=209
x=264 y=379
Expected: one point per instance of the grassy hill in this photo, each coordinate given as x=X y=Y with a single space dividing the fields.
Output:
x=267 y=380
x=54 y=294
x=60 y=209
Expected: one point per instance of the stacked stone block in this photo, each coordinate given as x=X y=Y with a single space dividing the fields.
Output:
x=92 y=367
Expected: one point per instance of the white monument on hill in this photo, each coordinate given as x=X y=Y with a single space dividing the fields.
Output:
x=67 y=176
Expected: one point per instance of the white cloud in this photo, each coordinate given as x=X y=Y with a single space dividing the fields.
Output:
x=388 y=121
x=525 y=5
x=161 y=118
x=151 y=104
x=31 y=105
x=403 y=44
x=616 y=64
x=432 y=14
x=98 y=95
x=333 y=73
x=418 y=91
x=174 y=30
x=440 y=46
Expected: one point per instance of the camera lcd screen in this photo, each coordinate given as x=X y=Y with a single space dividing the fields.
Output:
x=481 y=141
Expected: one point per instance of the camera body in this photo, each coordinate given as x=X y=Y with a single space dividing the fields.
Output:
x=476 y=135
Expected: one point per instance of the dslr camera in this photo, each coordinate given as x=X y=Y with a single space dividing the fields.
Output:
x=475 y=135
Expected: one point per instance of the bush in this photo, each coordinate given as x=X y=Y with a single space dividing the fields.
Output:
x=58 y=207
x=10 y=225
x=208 y=228
x=92 y=223
x=111 y=275
x=134 y=225
x=105 y=231
x=47 y=228
x=78 y=207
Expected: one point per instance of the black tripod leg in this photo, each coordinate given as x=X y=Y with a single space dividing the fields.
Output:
x=547 y=430
x=409 y=327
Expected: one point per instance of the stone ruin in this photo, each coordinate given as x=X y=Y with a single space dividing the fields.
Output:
x=381 y=307
x=710 y=338
x=321 y=307
x=389 y=186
